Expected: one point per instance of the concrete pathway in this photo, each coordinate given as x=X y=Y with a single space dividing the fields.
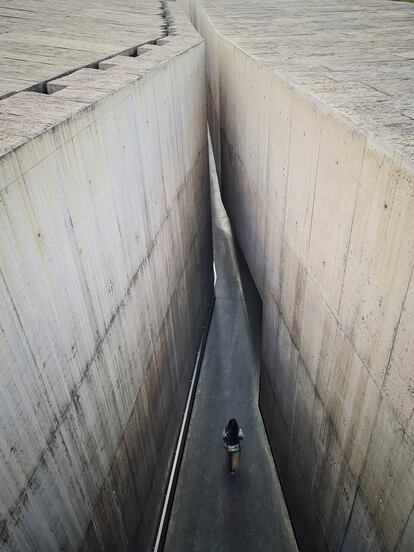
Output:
x=213 y=511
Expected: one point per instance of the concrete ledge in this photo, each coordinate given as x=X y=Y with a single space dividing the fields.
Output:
x=41 y=41
x=68 y=95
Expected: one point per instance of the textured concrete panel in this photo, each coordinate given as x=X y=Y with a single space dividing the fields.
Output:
x=315 y=143
x=40 y=40
x=105 y=281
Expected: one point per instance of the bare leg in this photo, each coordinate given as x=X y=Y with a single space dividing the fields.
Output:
x=234 y=461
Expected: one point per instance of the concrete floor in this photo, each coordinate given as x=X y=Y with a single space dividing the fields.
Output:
x=212 y=510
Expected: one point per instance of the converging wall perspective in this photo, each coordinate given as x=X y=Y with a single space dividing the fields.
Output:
x=107 y=277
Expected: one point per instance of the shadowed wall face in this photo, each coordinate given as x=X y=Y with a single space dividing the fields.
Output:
x=105 y=280
x=323 y=213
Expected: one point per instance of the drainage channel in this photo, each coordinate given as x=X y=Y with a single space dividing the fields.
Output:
x=179 y=451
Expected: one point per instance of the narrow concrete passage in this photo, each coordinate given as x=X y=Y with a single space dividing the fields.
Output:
x=213 y=511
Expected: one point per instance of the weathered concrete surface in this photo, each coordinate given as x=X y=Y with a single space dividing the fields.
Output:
x=40 y=40
x=310 y=106
x=105 y=279
x=212 y=511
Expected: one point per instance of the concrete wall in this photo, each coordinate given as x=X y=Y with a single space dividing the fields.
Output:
x=323 y=212
x=105 y=282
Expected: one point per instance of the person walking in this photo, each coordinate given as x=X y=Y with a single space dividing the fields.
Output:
x=232 y=435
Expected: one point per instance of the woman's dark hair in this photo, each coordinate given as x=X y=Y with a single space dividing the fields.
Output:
x=232 y=432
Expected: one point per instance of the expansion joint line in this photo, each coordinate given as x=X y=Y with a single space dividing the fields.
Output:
x=179 y=450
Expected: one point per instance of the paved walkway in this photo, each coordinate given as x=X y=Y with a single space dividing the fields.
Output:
x=213 y=511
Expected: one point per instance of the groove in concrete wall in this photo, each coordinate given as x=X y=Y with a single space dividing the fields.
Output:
x=179 y=448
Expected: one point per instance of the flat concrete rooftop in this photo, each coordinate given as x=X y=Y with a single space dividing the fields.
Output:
x=40 y=40
x=356 y=56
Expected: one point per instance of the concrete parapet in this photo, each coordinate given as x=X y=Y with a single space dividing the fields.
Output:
x=105 y=281
x=316 y=169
